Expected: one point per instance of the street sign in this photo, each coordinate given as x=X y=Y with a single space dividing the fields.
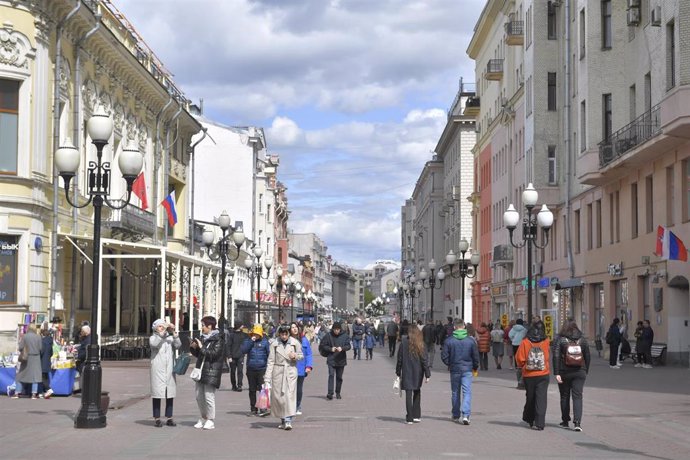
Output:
x=548 y=324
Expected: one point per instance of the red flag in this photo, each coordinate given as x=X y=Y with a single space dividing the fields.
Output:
x=139 y=189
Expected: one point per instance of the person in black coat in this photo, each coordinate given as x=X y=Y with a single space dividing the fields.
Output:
x=334 y=347
x=644 y=344
x=392 y=330
x=613 y=339
x=210 y=353
x=570 y=365
x=412 y=367
x=233 y=351
x=46 y=365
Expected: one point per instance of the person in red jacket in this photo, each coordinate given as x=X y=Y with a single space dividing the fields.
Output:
x=533 y=358
x=484 y=346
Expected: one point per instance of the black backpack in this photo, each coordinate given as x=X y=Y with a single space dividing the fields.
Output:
x=322 y=350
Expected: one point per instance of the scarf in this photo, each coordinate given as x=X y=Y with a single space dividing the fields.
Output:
x=210 y=334
x=460 y=334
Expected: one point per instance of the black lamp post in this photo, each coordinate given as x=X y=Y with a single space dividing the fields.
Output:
x=67 y=158
x=255 y=271
x=543 y=219
x=431 y=282
x=293 y=288
x=280 y=285
x=466 y=269
x=221 y=250
x=413 y=289
x=398 y=291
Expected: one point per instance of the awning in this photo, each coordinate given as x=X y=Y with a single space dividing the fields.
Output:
x=569 y=283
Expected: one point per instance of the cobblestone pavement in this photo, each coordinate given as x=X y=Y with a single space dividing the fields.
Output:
x=628 y=413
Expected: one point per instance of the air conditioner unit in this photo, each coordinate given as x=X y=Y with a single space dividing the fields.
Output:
x=634 y=17
x=656 y=16
x=633 y=3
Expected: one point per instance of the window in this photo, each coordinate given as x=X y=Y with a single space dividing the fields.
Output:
x=551 y=21
x=606 y=116
x=583 y=126
x=576 y=231
x=670 y=196
x=589 y=226
x=552 y=91
x=670 y=55
x=612 y=218
x=261 y=201
x=632 y=102
x=597 y=217
x=606 y=27
x=8 y=262
x=583 y=36
x=551 y=156
x=633 y=211
x=9 y=117
x=617 y=216
x=648 y=92
x=686 y=190
x=649 y=203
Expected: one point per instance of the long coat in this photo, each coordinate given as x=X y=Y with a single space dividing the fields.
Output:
x=30 y=371
x=411 y=369
x=281 y=373
x=163 y=347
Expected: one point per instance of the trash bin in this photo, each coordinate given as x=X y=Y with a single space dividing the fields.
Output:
x=62 y=381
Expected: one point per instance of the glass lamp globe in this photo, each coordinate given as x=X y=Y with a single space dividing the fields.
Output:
x=530 y=195
x=67 y=157
x=224 y=220
x=511 y=217
x=99 y=126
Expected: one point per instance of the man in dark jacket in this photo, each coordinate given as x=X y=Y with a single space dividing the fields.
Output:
x=392 y=333
x=256 y=347
x=233 y=351
x=429 y=335
x=335 y=346
x=380 y=333
x=358 y=331
x=460 y=354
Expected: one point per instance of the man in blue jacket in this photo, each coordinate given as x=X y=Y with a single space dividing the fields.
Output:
x=358 y=331
x=460 y=354
x=256 y=348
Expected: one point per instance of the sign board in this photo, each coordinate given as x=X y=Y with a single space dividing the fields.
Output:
x=548 y=324
x=504 y=320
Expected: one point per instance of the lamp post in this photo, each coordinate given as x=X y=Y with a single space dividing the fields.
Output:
x=255 y=271
x=221 y=251
x=543 y=219
x=413 y=289
x=400 y=293
x=279 y=282
x=67 y=158
x=464 y=269
x=431 y=282
x=295 y=288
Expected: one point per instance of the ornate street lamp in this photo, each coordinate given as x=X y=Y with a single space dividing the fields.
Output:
x=431 y=282
x=466 y=268
x=221 y=250
x=412 y=289
x=67 y=158
x=544 y=219
x=255 y=271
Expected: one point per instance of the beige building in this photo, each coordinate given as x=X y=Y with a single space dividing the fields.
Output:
x=596 y=95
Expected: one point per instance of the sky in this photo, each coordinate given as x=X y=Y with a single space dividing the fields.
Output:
x=352 y=95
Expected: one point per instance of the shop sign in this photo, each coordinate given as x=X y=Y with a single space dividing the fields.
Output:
x=9 y=248
x=544 y=282
x=548 y=326
x=504 y=320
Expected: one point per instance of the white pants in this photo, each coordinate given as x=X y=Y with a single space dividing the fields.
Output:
x=206 y=400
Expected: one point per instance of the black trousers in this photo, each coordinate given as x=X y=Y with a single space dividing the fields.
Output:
x=613 y=353
x=391 y=344
x=157 y=407
x=413 y=404
x=573 y=384
x=484 y=361
x=300 y=392
x=337 y=374
x=536 y=388
x=236 y=366
x=255 y=378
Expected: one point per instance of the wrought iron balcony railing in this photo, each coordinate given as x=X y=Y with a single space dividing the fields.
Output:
x=630 y=136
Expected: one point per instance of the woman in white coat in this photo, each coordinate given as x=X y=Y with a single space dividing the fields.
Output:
x=164 y=341
x=281 y=376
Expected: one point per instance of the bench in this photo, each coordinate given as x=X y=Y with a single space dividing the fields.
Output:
x=658 y=353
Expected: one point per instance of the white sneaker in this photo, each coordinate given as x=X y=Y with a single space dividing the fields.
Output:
x=200 y=423
x=416 y=420
x=615 y=367
x=638 y=365
x=48 y=394
x=209 y=425
x=619 y=364
x=465 y=420
x=299 y=412
x=647 y=366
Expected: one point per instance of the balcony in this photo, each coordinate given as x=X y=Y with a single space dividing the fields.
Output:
x=503 y=254
x=515 y=33
x=131 y=222
x=494 y=69
x=637 y=132
x=471 y=107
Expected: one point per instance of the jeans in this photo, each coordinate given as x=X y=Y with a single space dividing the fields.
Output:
x=391 y=344
x=337 y=374
x=413 y=404
x=255 y=378
x=357 y=347
x=484 y=360
x=19 y=388
x=573 y=383
x=206 y=400
x=236 y=372
x=157 y=407
x=430 y=352
x=300 y=383
x=381 y=339
x=536 y=389
x=461 y=393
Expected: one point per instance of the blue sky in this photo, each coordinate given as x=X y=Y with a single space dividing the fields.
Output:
x=352 y=95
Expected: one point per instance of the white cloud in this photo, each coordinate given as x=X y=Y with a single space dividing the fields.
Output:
x=283 y=132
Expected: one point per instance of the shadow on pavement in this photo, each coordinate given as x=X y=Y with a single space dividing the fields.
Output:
x=604 y=447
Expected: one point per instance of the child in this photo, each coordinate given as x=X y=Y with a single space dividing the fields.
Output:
x=370 y=343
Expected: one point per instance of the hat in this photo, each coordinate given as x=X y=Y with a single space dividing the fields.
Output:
x=257 y=330
x=337 y=325
x=157 y=323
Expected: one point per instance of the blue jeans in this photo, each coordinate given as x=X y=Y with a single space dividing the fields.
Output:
x=20 y=388
x=357 y=346
x=461 y=382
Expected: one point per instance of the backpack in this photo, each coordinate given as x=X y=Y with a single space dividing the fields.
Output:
x=322 y=350
x=608 y=338
x=573 y=354
x=535 y=359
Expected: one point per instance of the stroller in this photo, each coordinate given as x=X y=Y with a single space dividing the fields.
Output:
x=627 y=352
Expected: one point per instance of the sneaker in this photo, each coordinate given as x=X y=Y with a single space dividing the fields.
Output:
x=281 y=426
x=254 y=411
x=577 y=426
x=619 y=364
x=564 y=425
x=408 y=423
x=48 y=394
x=498 y=367
x=200 y=423
x=158 y=423
x=263 y=413
x=209 y=425
x=615 y=367
x=34 y=396
x=647 y=366
x=416 y=420
x=465 y=420
x=638 y=365
x=337 y=396
x=538 y=428
x=329 y=397
x=288 y=426
x=455 y=419
x=171 y=422
x=299 y=412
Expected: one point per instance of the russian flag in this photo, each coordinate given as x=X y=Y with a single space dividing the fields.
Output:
x=169 y=205
x=669 y=246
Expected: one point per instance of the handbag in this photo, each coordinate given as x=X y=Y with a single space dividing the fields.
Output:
x=397 y=388
x=196 y=372
x=181 y=364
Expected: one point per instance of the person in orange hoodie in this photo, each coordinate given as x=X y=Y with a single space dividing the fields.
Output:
x=484 y=346
x=533 y=358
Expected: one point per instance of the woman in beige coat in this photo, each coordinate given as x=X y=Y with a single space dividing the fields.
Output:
x=281 y=376
x=164 y=341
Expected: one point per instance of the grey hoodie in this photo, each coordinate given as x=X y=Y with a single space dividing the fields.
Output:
x=517 y=333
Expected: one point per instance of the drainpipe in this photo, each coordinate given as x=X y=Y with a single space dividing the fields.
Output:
x=156 y=161
x=191 y=175
x=168 y=161
x=56 y=145
x=568 y=141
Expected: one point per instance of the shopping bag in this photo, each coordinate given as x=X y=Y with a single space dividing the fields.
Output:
x=181 y=365
x=396 y=386
x=264 y=402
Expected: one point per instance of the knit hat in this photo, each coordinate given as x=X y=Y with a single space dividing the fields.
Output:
x=257 y=330
x=157 y=323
